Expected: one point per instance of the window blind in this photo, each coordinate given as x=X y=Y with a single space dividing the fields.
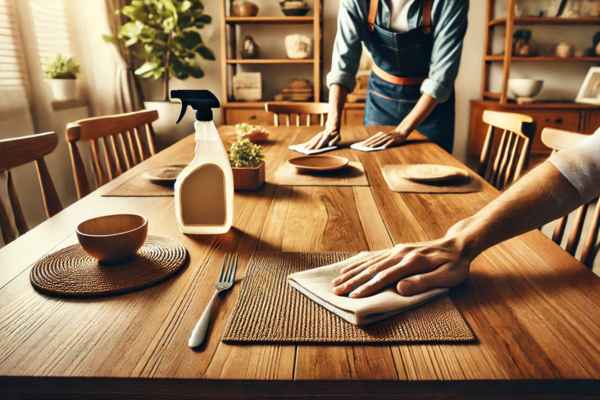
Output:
x=51 y=28
x=11 y=58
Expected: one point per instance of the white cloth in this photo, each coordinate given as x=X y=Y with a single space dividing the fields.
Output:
x=301 y=149
x=580 y=164
x=399 y=17
x=316 y=284
x=361 y=147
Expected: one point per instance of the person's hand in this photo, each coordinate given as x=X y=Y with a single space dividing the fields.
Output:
x=385 y=139
x=327 y=137
x=411 y=268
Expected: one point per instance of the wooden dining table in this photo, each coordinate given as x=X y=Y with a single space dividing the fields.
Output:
x=534 y=309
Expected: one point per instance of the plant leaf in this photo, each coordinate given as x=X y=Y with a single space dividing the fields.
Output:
x=206 y=53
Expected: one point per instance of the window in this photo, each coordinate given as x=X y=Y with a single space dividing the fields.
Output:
x=11 y=58
x=51 y=28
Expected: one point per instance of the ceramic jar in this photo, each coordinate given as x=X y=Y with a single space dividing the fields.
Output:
x=298 y=46
x=565 y=50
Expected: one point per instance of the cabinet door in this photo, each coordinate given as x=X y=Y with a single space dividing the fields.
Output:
x=592 y=122
x=255 y=116
x=559 y=119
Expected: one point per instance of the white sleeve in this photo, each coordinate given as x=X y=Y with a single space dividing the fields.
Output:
x=580 y=164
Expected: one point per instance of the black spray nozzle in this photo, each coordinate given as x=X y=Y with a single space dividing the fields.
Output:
x=203 y=101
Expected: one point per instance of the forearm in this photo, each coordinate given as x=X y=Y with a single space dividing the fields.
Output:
x=538 y=198
x=422 y=109
x=337 y=100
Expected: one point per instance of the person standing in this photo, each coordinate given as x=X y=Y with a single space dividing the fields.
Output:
x=416 y=47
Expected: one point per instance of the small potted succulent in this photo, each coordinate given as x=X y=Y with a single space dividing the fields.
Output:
x=247 y=163
x=61 y=72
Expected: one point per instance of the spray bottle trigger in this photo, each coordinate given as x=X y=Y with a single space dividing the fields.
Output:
x=184 y=106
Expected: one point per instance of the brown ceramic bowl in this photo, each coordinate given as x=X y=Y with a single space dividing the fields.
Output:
x=113 y=238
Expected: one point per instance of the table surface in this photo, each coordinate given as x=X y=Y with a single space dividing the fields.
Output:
x=534 y=309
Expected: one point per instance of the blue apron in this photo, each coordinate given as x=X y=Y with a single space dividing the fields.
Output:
x=405 y=54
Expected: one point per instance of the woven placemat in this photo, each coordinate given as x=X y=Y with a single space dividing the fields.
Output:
x=396 y=183
x=71 y=272
x=140 y=186
x=271 y=311
x=288 y=175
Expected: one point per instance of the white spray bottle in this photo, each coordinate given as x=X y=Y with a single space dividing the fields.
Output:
x=204 y=189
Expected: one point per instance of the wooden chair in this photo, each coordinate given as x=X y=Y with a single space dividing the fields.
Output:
x=307 y=112
x=503 y=160
x=16 y=152
x=116 y=143
x=556 y=140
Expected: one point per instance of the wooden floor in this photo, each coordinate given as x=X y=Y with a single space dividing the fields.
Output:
x=534 y=309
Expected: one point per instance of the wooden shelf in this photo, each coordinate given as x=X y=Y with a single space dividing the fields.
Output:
x=270 y=61
x=500 y=58
x=270 y=20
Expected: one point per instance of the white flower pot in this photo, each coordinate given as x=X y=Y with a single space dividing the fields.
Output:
x=63 y=89
x=167 y=131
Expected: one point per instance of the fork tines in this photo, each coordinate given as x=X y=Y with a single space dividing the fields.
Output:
x=229 y=268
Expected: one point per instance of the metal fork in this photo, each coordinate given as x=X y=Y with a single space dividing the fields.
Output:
x=225 y=282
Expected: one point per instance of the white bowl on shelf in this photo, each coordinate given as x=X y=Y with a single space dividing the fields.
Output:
x=525 y=87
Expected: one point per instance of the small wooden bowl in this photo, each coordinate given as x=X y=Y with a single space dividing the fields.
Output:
x=319 y=163
x=113 y=238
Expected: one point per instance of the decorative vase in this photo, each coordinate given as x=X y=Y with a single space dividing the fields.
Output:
x=250 y=48
x=249 y=178
x=63 y=89
x=298 y=46
x=565 y=50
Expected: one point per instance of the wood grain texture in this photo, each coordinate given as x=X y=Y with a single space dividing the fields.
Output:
x=533 y=307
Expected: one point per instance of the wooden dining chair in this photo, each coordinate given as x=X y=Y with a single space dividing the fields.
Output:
x=14 y=153
x=557 y=140
x=302 y=113
x=504 y=157
x=116 y=143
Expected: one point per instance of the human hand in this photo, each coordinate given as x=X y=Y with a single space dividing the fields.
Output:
x=327 y=137
x=412 y=268
x=384 y=139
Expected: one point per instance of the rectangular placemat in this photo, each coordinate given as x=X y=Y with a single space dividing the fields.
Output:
x=396 y=183
x=353 y=175
x=269 y=310
x=138 y=186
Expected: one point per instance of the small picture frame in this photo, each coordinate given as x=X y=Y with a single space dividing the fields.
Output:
x=589 y=92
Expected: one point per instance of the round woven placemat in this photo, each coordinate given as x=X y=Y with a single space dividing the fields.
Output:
x=71 y=272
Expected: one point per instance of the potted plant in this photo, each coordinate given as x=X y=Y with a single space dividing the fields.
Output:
x=247 y=163
x=163 y=37
x=61 y=72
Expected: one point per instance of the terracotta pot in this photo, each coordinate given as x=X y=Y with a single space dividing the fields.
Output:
x=248 y=178
x=244 y=9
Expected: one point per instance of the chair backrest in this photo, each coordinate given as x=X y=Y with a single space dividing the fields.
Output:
x=116 y=142
x=298 y=114
x=15 y=152
x=503 y=160
x=557 y=140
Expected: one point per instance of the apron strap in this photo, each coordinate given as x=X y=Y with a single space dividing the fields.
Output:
x=372 y=14
x=427 y=24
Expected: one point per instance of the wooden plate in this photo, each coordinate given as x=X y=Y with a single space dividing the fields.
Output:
x=165 y=174
x=319 y=163
x=432 y=173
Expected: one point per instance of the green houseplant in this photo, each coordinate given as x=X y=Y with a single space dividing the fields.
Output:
x=61 y=72
x=164 y=40
x=247 y=163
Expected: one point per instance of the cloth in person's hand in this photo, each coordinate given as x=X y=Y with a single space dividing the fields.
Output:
x=302 y=149
x=361 y=147
x=316 y=284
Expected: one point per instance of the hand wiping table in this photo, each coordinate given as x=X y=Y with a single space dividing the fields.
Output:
x=317 y=285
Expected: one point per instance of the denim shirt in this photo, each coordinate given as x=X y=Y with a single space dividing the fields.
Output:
x=449 y=18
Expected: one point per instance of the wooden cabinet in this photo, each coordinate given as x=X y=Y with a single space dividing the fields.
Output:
x=568 y=116
x=254 y=113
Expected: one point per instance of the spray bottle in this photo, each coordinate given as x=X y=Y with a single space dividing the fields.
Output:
x=204 y=189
